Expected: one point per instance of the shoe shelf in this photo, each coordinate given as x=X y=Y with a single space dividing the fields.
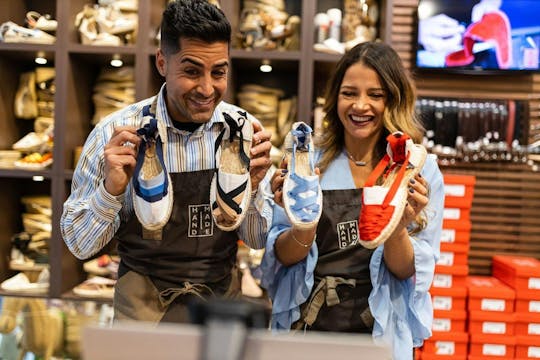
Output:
x=94 y=49
x=270 y=55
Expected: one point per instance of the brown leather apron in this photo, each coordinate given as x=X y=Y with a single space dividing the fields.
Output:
x=339 y=299
x=193 y=260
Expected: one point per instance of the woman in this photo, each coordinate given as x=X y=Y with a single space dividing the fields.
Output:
x=321 y=278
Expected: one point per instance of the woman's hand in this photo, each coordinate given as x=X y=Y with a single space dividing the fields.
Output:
x=417 y=199
x=277 y=182
x=260 y=155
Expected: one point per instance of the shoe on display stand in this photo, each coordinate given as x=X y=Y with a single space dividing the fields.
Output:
x=230 y=190
x=302 y=194
x=383 y=205
x=25 y=104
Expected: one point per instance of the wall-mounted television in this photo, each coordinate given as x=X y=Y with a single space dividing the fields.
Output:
x=479 y=36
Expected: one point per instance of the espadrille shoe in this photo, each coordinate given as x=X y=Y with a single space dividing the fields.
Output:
x=383 y=205
x=302 y=195
x=152 y=187
x=230 y=191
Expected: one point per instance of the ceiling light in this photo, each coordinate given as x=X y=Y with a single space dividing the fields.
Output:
x=116 y=61
x=265 y=66
x=40 y=58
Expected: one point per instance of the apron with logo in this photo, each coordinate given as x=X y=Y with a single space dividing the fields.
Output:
x=339 y=298
x=194 y=259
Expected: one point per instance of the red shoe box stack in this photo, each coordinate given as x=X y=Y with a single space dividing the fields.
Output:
x=522 y=273
x=449 y=288
x=491 y=321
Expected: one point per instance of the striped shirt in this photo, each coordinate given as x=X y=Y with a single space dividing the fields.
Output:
x=91 y=216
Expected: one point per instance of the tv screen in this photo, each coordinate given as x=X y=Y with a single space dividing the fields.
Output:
x=478 y=35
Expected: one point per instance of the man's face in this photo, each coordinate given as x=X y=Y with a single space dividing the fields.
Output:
x=196 y=79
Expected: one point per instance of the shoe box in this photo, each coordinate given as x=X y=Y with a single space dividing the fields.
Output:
x=456 y=232
x=487 y=293
x=519 y=272
x=446 y=345
x=449 y=299
x=449 y=321
x=450 y=276
x=428 y=356
x=457 y=209
x=527 y=347
x=527 y=301
x=527 y=324
x=459 y=187
x=491 y=346
x=453 y=253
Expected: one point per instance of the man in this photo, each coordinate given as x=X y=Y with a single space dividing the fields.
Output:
x=189 y=258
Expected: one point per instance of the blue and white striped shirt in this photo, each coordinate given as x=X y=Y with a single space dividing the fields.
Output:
x=91 y=216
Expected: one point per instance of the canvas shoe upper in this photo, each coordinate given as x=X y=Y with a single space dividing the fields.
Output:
x=230 y=190
x=22 y=284
x=13 y=33
x=152 y=188
x=383 y=205
x=302 y=195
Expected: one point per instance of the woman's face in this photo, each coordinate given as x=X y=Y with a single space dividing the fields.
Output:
x=361 y=103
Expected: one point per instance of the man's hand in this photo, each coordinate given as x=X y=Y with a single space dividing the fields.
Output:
x=120 y=158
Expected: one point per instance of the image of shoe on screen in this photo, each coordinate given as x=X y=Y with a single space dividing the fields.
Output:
x=360 y=257
x=461 y=33
x=173 y=178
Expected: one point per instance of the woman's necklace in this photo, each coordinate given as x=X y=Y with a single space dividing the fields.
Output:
x=357 y=162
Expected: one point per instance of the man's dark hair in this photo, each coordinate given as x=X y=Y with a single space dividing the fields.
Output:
x=197 y=19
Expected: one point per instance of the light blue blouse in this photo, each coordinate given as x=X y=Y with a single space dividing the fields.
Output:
x=402 y=308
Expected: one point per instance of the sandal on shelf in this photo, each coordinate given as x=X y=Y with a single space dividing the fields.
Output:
x=21 y=283
x=302 y=195
x=383 y=205
x=13 y=33
x=96 y=286
x=42 y=22
x=230 y=190
x=104 y=265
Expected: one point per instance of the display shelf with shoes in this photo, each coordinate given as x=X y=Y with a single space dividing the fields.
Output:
x=269 y=96
x=16 y=27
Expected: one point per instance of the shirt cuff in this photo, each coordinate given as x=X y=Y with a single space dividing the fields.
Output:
x=105 y=205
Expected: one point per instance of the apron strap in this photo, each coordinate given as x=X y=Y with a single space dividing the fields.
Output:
x=167 y=296
x=325 y=291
